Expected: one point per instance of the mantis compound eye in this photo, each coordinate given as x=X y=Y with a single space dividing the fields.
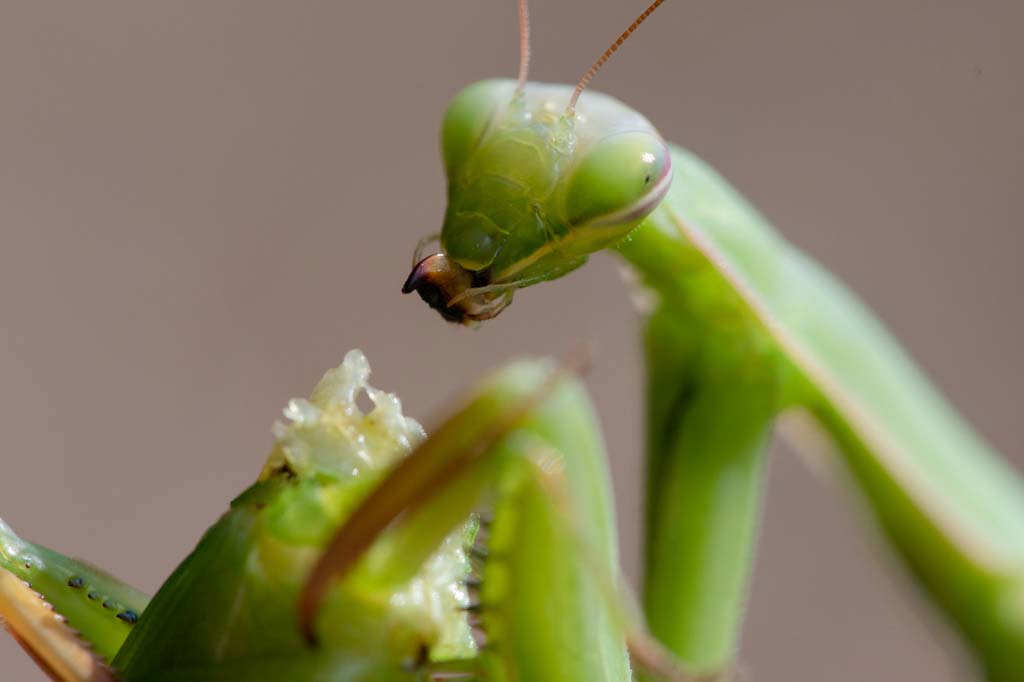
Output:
x=620 y=180
x=454 y=292
x=468 y=116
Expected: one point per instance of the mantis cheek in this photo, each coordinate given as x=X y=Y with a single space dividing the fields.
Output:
x=471 y=239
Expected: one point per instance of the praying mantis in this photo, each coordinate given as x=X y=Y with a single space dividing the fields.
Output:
x=275 y=590
x=743 y=329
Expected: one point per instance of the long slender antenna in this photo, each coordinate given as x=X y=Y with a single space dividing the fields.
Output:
x=585 y=81
x=524 y=44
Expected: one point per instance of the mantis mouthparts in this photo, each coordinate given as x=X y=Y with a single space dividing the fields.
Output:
x=455 y=292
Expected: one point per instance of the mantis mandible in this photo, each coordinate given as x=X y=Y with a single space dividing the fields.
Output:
x=745 y=327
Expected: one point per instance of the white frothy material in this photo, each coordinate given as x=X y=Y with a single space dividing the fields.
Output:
x=330 y=432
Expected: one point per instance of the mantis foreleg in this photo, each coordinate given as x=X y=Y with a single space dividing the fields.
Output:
x=94 y=603
x=390 y=598
x=708 y=426
x=543 y=607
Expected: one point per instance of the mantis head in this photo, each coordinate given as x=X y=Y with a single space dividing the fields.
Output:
x=535 y=184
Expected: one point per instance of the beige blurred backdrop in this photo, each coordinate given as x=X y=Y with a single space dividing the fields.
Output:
x=203 y=205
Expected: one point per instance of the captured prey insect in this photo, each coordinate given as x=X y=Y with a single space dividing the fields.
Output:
x=357 y=555
x=745 y=327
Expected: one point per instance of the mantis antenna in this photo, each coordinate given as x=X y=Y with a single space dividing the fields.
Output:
x=589 y=75
x=524 y=44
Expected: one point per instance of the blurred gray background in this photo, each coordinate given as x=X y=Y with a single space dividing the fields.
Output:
x=204 y=205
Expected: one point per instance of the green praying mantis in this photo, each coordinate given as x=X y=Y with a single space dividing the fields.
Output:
x=275 y=591
x=362 y=553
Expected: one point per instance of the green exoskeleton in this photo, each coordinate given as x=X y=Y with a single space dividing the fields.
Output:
x=744 y=328
x=414 y=585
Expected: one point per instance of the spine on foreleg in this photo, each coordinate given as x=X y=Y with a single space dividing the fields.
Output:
x=99 y=607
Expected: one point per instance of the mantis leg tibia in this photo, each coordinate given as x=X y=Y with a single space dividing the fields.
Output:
x=45 y=635
x=99 y=607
